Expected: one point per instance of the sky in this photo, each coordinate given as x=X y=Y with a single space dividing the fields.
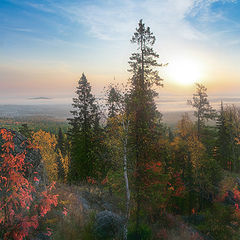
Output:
x=45 y=45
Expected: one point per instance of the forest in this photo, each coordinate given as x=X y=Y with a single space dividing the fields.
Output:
x=116 y=171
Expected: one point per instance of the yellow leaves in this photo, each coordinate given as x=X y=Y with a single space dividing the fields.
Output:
x=65 y=163
x=187 y=142
x=185 y=126
x=42 y=139
x=46 y=143
x=237 y=140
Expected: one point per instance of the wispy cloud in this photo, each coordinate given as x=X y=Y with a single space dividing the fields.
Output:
x=40 y=7
x=17 y=29
x=111 y=20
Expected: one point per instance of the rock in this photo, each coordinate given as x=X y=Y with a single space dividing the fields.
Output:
x=84 y=203
x=196 y=219
x=238 y=181
x=32 y=158
x=107 y=206
x=42 y=236
x=108 y=225
x=229 y=199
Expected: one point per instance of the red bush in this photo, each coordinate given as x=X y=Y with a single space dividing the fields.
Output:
x=21 y=205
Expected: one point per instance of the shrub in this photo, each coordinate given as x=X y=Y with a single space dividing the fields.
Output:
x=21 y=206
x=144 y=233
x=219 y=220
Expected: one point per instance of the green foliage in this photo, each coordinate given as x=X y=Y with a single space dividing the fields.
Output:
x=228 y=148
x=84 y=134
x=62 y=148
x=219 y=222
x=177 y=172
x=25 y=131
x=61 y=142
x=209 y=140
x=113 y=101
x=35 y=123
x=141 y=106
x=203 y=111
x=144 y=232
x=87 y=231
x=200 y=172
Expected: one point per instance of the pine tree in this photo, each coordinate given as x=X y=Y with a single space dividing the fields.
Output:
x=204 y=110
x=83 y=133
x=142 y=107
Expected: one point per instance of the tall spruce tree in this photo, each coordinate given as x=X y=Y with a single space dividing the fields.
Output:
x=143 y=109
x=83 y=133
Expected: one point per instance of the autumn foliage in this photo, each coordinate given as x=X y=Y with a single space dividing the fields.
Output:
x=21 y=205
x=46 y=143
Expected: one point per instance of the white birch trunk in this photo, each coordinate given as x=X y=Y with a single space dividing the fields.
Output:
x=125 y=128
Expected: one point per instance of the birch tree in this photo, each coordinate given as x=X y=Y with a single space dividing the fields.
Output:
x=117 y=102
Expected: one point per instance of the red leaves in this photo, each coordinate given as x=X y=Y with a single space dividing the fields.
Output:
x=64 y=212
x=16 y=193
x=104 y=181
x=35 y=179
x=91 y=180
x=47 y=201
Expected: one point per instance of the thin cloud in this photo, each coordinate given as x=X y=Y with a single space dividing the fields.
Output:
x=113 y=20
x=17 y=29
x=41 y=7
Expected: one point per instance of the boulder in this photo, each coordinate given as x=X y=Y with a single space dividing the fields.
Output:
x=108 y=225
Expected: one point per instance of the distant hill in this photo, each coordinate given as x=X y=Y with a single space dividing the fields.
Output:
x=39 y=98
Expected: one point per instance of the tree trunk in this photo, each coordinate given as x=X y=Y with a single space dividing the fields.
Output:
x=127 y=190
x=125 y=141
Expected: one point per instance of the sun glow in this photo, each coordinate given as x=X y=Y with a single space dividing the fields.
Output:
x=185 y=71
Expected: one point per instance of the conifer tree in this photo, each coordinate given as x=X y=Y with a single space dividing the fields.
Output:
x=83 y=133
x=60 y=169
x=61 y=141
x=223 y=139
x=113 y=99
x=142 y=107
x=228 y=150
x=204 y=110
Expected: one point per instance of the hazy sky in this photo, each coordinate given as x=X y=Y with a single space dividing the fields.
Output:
x=45 y=45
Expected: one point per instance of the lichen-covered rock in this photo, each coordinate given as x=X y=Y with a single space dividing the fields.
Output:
x=108 y=225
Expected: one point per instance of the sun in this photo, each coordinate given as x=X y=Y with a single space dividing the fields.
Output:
x=185 y=71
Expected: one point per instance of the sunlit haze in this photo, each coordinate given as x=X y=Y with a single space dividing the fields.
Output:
x=185 y=71
x=46 y=45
